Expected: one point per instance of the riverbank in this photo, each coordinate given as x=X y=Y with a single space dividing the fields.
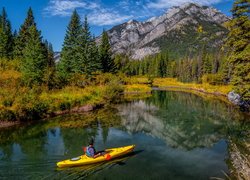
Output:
x=24 y=104
x=33 y=104
x=218 y=90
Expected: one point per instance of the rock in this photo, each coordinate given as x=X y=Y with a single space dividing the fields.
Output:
x=234 y=98
x=237 y=100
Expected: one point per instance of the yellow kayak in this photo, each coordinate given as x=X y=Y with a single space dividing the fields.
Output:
x=85 y=160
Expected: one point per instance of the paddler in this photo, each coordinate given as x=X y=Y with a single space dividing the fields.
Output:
x=90 y=150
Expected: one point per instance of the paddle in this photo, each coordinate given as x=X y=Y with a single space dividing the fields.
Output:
x=107 y=157
x=84 y=149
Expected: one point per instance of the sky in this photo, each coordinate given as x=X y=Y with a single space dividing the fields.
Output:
x=53 y=16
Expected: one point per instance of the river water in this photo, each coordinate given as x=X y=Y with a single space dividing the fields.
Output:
x=177 y=136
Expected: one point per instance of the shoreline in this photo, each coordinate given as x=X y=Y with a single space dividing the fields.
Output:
x=199 y=92
x=81 y=109
x=89 y=107
x=191 y=89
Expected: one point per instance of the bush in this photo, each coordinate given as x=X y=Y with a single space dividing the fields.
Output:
x=79 y=80
x=34 y=111
x=7 y=115
x=65 y=106
x=8 y=102
x=213 y=79
x=113 y=91
x=106 y=78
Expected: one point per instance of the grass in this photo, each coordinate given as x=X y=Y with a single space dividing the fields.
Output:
x=204 y=87
x=137 y=88
x=30 y=104
x=136 y=80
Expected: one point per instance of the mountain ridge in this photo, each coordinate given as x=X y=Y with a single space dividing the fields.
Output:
x=169 y=31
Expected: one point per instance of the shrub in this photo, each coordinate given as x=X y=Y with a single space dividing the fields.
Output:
x=106 y=78
x=33 y=111
x=113 y=91
x=8 y=102
x=79 y=80
x=65 y=106
x=7 y=115
x=213 y=79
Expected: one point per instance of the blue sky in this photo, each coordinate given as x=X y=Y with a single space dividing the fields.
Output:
x=52 y=16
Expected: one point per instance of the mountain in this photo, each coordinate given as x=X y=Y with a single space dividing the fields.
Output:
x=57 y=56
x=176 y=31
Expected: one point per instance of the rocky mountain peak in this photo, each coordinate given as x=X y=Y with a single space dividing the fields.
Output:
x=139 y=39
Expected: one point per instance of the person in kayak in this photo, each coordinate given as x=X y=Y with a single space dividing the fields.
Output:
x=90 y=150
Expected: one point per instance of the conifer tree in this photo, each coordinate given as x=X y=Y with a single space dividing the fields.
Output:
x=238 y=41
x=70 y=52
x=107 y=61
x=162 y=66
x=34 y=60
x=24 y=34
x=195 y=70
x=88 y=51
x=93 y=58
x=207 y=65
x=6 y=37
x=50 y=68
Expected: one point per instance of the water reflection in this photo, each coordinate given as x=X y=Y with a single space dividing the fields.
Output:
x=177 y=131
x=182 y=120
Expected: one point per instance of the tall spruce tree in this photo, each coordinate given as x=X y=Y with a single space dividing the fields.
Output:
x=69 y=63
x=24 y=34
x=49 y=77
x=34 y=61
x=106 y=58
x=239 y=42
x=88 y=51
x=6 y=37
x=162 y=66
x=94 y=63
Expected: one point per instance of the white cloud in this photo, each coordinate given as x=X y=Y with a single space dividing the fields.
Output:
x=122 y=10
x=97 y=14
x=107 y=17
x=63 y=7
x=164 y=4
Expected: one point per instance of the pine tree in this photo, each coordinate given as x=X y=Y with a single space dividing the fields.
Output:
x=195 y=70
x=207 y=65
x=238 y=41
x=216 y=62
x=70 y=52
x=88 y=51
x=50 y=69
x=24 y=34
x=106 y=58
x=162 y=66
x=34 y=60
x=6 y=37
x=93 y=59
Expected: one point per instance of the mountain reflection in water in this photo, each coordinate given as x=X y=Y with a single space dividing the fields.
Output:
x=180 y=136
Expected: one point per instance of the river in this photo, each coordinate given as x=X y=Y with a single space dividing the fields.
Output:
x=177 y=136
